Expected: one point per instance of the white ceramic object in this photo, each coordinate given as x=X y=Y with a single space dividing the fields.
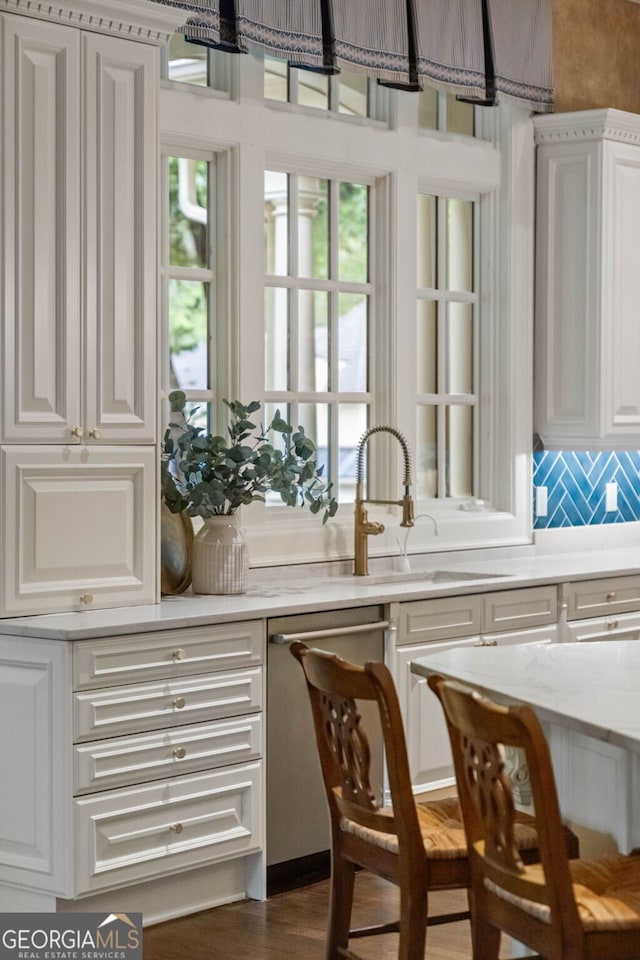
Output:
x=220 y=561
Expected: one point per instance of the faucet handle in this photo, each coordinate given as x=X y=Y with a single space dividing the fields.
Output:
x=407 y=511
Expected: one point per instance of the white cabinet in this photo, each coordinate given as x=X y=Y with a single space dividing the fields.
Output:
x=79 y=227
x=587 y=390
x=133 y=758
x=75 y=523
x=78 y=309
x=431 y=626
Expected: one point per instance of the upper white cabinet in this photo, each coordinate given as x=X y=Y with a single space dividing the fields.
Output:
x=78 y=330
x=587 y=389
x=79 y=235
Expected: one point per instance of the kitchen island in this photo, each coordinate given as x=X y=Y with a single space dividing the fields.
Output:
x=587 y=697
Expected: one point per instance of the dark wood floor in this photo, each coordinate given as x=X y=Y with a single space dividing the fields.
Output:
x=291 y=926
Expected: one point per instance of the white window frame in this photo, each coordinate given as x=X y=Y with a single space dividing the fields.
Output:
x=497 y=168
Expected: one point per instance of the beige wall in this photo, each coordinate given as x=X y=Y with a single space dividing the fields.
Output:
x=596 y=54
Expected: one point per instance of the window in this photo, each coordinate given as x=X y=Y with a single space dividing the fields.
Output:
x=316 y=312
x=344 y=269
x=446 y=349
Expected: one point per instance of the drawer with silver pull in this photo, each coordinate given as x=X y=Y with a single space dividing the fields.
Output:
x=133 y=658
x=157 y=829
x=122 y=761
x=151 y=706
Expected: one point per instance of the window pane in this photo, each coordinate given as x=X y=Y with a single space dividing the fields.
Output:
x=426 y=241
x=459 y=116
x=459 y=452
x=276 y=223
x=459 y=348
x=276 y=79
x=353 y=229
x=187 y=61
x=426 y=453
x=313 y=341
x=276 y=341
x=352 y=423
x=313 y=228
x=459 y=245
x=314 y=417
x=188 y=199
x=353 y=94
x=427 y=347
x=428 y=109
x=313 y=89
x=188 y=334
x=352 y=343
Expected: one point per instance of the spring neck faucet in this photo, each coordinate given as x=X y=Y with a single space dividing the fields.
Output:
x=363 y=527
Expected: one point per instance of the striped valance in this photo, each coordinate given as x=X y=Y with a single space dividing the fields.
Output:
x=482 y=50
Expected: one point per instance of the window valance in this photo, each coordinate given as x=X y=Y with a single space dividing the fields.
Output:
x=482 y=50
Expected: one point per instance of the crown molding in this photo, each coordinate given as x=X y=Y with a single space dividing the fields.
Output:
x=136 y=19
x=606 y=124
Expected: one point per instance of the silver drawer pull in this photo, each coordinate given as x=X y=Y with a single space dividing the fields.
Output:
x=486 y=643
x=176 y=828
x=612 y=625
x=179 y=703
x=179 y=654
x=179 y=753
x=611 y=596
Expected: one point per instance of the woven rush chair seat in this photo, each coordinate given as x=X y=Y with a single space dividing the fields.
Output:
x=442 y=830
x=418 y=846
x=580 y=909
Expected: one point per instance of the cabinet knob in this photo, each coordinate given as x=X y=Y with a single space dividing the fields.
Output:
x=612 y=625
x=179 y=654
x=611 y=596
x=77 y=432
x=95 y=433
x=86 y=598
x=179 y=753
x=176 y=828
x=179 y=703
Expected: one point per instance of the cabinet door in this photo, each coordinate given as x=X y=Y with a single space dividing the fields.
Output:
x=120 y=227
x=39 y=214
x=35 y=797
x=425 y=730
x=78 y=528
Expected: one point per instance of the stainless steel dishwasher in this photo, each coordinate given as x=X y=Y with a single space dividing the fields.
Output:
x=297 y=818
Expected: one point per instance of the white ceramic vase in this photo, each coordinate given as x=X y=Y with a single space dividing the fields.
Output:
x=220 y=558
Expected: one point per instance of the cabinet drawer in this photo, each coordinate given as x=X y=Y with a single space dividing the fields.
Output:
x=106 y=764
x=517 y=609
x=625 y=626
x=593 y=598
x=165 y=654
x=123 y=836
x=440 y=619
x=152 y=706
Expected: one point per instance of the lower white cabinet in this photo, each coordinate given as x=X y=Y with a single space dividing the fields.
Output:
x=432 y=626
x=77 y=530
x=129 y=782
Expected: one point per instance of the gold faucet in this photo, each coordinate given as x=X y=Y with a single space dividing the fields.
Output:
x=363 y=527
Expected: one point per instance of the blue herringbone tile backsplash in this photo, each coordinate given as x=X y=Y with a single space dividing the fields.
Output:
x=575 y=483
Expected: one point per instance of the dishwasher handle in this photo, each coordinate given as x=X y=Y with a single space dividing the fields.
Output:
x=311 y=635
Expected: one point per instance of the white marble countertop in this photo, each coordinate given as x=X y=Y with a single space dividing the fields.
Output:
x=313 y=592
x=593 y=688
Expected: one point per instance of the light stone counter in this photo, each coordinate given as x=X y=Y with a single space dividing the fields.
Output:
x=290 y=593
x=592 y=688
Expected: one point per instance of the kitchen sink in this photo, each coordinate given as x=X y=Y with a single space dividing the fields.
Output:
x=423 y=576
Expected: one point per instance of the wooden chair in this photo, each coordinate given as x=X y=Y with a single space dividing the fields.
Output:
x=417 y=846
x=563 y=909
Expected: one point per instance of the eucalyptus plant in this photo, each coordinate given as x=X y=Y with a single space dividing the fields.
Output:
x=209 y=476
